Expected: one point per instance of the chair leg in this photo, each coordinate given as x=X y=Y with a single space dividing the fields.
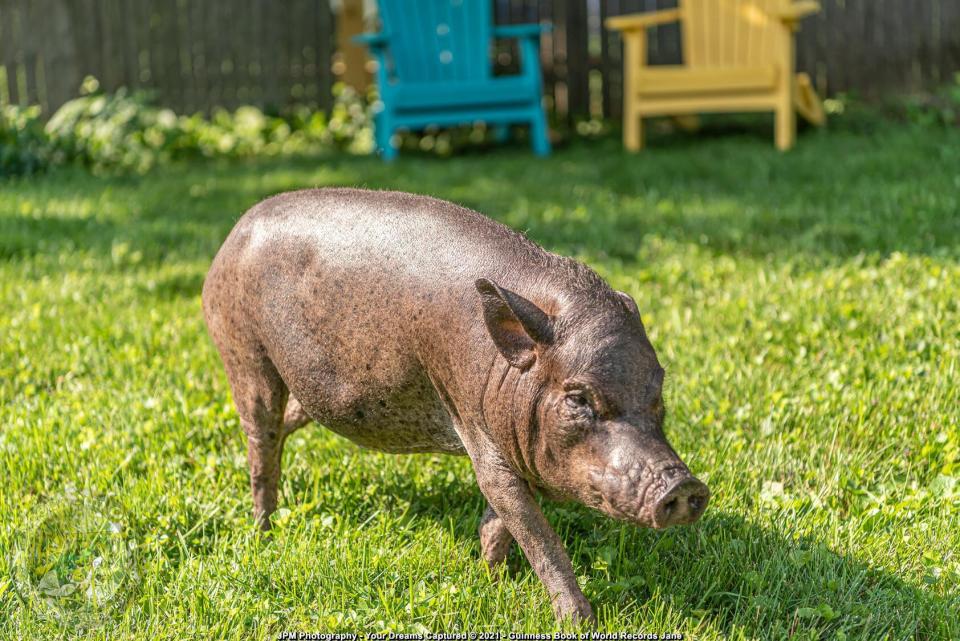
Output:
x=785 y=118
x=390 y=152
x=383 y=132
x=806 y=101
x=786 y=127
x=633 y=131
x=539 y=133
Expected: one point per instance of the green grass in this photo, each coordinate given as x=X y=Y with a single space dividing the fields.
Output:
x=805 y=307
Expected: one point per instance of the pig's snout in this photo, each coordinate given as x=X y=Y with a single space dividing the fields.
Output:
x=682 y=503
x=670 y=496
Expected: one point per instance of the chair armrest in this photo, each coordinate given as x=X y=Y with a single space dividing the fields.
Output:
x=794 y=11
x=529 y=37
x=372 y=40
x=635 y=21
x=530 y=30
x=377 y=43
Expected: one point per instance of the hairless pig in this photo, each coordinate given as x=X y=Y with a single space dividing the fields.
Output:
x=410 y=324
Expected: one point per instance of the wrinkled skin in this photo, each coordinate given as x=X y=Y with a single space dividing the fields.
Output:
x=409 y=324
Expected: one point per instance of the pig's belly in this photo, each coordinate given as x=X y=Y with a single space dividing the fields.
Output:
x=407 y=420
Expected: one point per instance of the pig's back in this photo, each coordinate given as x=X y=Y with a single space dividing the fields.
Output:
x=416 y=238
x=388 y=261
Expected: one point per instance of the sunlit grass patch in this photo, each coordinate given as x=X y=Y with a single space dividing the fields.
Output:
x=804 y=305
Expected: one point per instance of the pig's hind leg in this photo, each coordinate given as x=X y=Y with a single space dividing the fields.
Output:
x=261 y=398
x=495 y=538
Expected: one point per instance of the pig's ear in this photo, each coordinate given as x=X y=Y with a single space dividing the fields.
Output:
x=629 y=302
x=515 y=324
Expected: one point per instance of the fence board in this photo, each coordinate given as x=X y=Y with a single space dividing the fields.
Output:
x=27 y=74
x=15 y=52
x=578 y=59
x=8 y=52
x=605 y=67
x=326 y=37
x=204 y=57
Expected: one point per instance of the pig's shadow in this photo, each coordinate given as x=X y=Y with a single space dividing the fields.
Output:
x=737 y=576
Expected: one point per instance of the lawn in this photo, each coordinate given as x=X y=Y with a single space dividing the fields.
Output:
x=804 y=305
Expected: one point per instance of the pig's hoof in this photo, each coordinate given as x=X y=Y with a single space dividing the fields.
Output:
x=495 y=556
x=574 y=607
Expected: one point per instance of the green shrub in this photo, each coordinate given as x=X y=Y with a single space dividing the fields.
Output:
x=122 y=130
x=941 y=107
x=126 y=131
x=24 y=147
x=937 y=107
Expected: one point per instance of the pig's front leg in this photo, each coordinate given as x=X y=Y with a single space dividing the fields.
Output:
x=510 y=499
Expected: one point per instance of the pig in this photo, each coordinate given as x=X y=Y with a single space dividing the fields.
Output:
x=409 y=324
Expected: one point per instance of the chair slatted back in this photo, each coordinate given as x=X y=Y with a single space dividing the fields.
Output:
x=730 y=33
x=439 y=40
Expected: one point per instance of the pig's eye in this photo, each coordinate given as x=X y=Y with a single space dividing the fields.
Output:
x=578 y=402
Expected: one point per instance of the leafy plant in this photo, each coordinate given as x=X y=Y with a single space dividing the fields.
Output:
x=24 y=148
x=120 y=130
x=941 y=107
x=126 y=131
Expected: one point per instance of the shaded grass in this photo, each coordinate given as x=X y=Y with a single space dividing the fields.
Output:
x=805 y=306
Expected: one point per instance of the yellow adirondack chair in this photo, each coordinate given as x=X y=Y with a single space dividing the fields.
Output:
x=738 y=56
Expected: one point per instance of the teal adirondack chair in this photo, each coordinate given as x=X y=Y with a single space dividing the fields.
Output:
x=434 y=68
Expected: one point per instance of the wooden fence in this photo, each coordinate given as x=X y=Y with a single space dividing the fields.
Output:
x=197 y=54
